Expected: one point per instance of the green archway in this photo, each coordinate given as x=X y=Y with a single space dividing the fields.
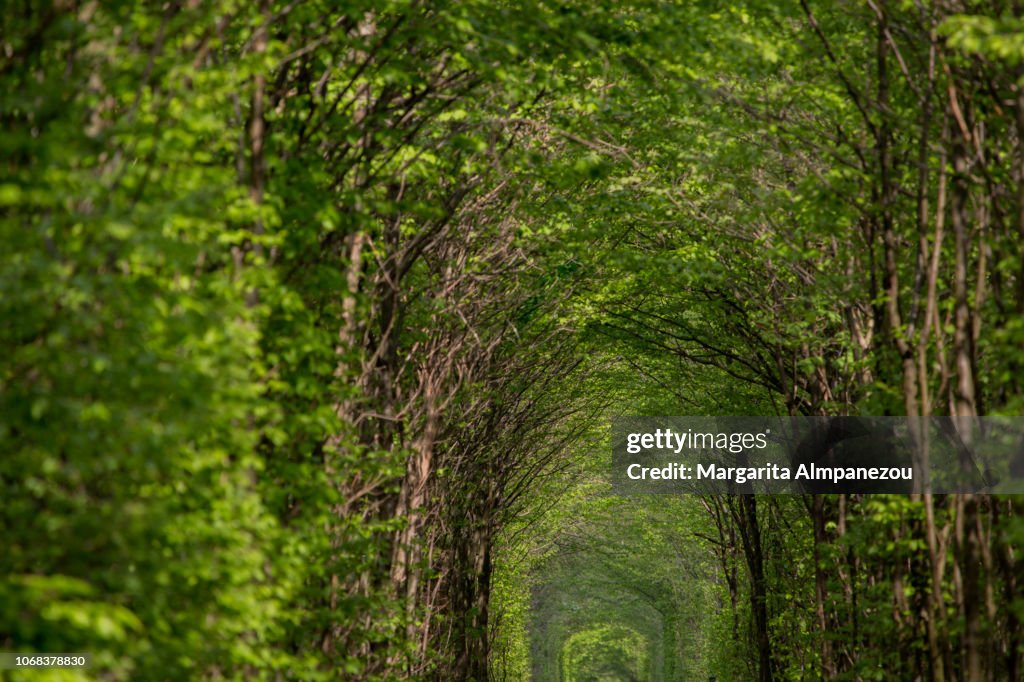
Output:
x=625 y=596
x=605 y=653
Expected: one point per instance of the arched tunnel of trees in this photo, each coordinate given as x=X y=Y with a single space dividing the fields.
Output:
x=606 y=652
x=314 y=316
x=623 y=596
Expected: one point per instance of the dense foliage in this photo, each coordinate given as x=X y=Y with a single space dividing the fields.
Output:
x=313 y=315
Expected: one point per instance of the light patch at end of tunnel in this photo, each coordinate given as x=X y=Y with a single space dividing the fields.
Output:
x=605 y=652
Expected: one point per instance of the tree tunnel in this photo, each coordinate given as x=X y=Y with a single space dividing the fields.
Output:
x=585 y=625
x=605 y=652
x=626 y=595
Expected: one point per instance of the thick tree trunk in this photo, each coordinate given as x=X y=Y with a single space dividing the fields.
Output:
x=828 y=663
x=750 y=532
